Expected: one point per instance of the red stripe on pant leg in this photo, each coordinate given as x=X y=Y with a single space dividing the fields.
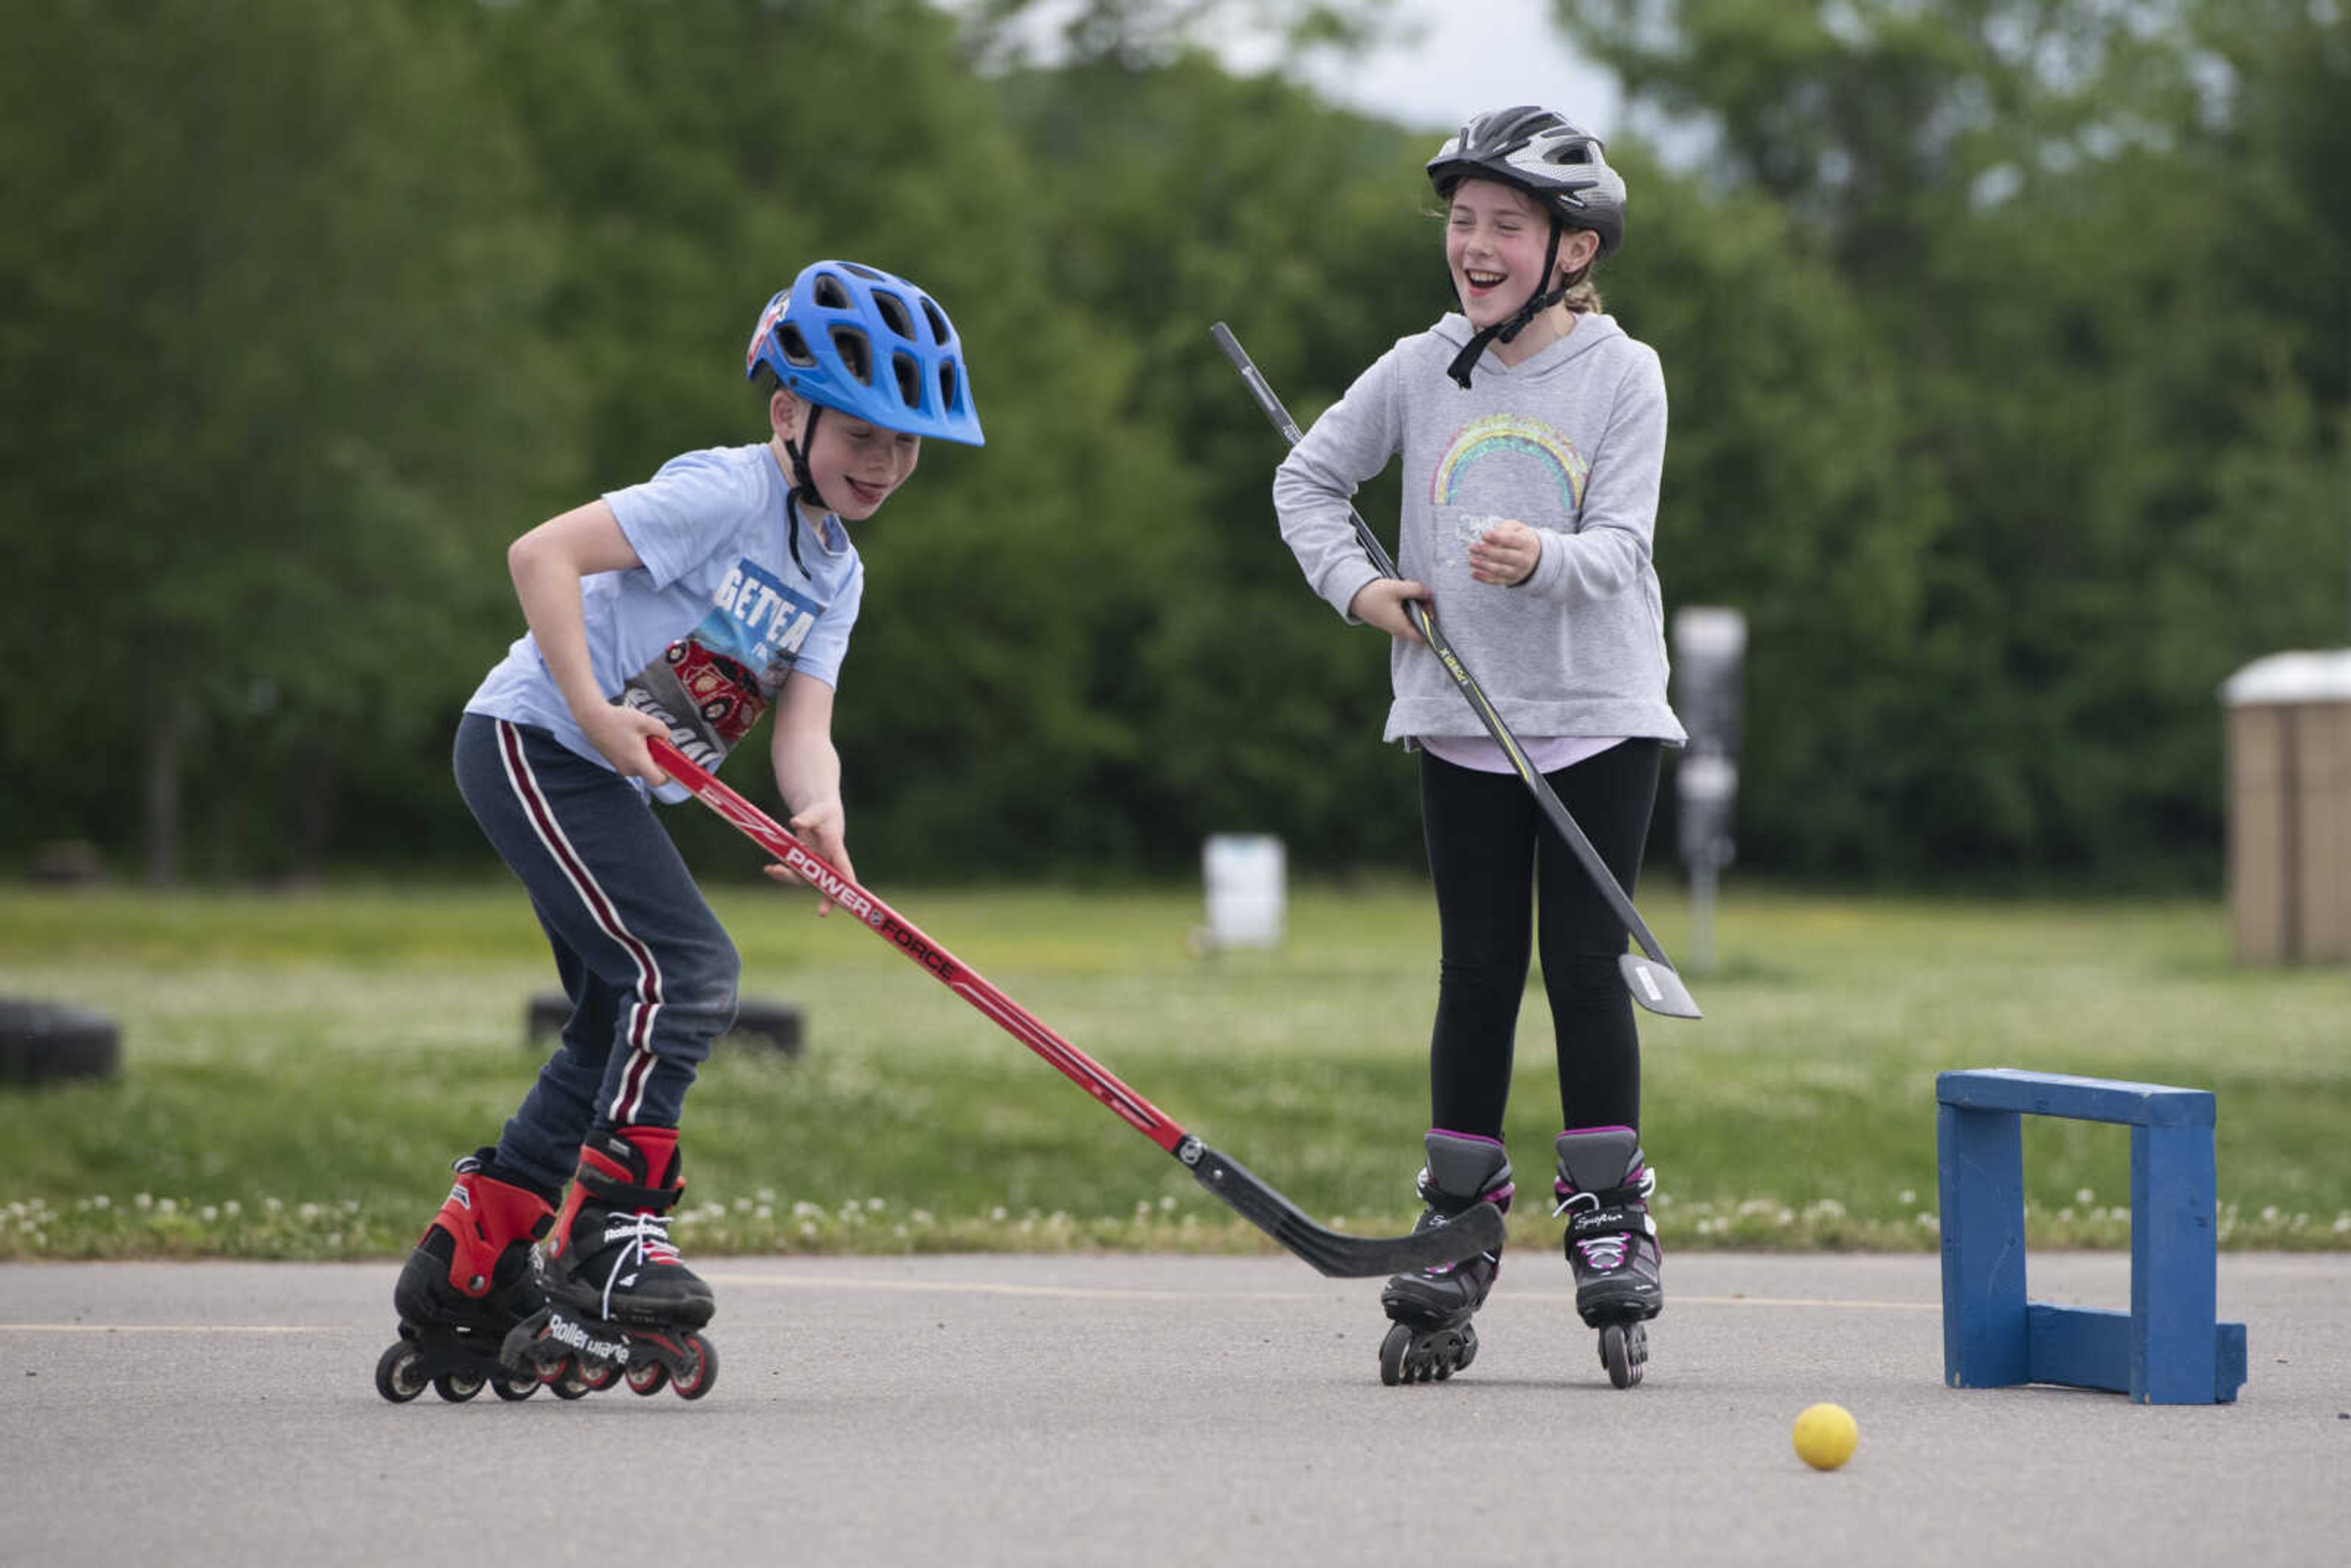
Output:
x=600 y=908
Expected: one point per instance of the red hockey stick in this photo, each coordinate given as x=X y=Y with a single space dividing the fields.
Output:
x=1330 y=1251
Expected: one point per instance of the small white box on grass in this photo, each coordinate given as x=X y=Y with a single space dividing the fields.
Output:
x=1245 y=874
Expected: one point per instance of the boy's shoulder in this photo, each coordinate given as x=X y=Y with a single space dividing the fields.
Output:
x=749 y=466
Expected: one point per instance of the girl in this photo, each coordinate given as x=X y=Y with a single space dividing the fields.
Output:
x=686 y=606
x=1533 y=431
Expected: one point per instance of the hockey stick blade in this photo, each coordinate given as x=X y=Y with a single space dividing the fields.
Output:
x=1658 y=987
x=1334 y=1253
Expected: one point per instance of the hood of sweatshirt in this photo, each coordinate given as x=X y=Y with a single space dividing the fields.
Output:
x=1591 y=332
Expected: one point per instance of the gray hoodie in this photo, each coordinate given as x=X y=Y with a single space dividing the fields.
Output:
x=1571 y=443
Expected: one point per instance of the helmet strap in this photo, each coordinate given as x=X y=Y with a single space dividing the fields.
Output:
x=1507 y=331
x=804 y=482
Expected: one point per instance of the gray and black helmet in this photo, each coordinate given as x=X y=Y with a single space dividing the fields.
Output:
x=1558 y=164
x=1544 y=154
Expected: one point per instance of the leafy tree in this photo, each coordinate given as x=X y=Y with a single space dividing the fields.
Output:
x=262 y=259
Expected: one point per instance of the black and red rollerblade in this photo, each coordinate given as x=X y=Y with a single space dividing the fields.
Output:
x=620 y=1303
x=1603 y=1188
x=1432 y=1338
x=470 y=1280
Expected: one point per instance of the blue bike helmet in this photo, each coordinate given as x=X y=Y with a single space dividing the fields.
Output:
x=870 y=345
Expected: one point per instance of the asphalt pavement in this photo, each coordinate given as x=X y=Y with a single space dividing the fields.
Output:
x=1143 y=1410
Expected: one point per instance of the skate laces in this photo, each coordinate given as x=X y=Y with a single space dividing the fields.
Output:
x=647 y=1236
x=1608 y=1251
x=647 y=1243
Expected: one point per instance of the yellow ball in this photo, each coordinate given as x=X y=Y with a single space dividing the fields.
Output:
x=1825 y=1436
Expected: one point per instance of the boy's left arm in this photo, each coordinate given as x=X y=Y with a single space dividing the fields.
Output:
x=808 y=776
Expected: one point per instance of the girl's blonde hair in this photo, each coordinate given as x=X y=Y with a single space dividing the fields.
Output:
x=1583 y=294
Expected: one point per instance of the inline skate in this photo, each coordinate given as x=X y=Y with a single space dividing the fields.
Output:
x=470 y=1280
x=620 y=1303
x=1603 y=1188
x=1432 y=1337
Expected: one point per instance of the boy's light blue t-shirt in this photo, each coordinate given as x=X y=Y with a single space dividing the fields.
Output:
x=704 y=631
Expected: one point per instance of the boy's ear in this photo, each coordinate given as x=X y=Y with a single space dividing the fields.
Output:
x=784 y=413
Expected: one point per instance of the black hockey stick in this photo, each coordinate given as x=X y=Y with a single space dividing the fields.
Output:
x=1333 y=1252
x=1651 y=979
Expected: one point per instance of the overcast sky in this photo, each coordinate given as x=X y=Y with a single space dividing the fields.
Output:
x=1486 y=53
x=1466 y=56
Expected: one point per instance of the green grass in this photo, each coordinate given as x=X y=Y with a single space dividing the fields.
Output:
x=301 y=1068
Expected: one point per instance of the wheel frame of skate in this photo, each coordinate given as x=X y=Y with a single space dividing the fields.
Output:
x=1624 y=1352
x=648 y=1359
x=451 y=1367
x=1409 y=1354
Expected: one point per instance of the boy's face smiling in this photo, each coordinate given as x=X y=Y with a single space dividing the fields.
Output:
x=855 y=464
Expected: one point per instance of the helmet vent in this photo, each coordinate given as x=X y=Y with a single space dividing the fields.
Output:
x=940 y=330
x=828 y=293
x=910 y=379
x=856 y=354
x=795 y=346
x=893 y=312
x=864 y=271
x=950 y=389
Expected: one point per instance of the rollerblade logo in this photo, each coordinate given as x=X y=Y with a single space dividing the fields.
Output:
x=564 y=1332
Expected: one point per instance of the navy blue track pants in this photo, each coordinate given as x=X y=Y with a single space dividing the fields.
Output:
x=651 y=973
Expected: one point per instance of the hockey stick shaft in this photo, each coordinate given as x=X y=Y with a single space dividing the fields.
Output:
x=1330 y=1251
x=1655 y=983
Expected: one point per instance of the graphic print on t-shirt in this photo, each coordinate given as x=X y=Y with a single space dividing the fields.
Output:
x=711 y=685
x=1492 y=469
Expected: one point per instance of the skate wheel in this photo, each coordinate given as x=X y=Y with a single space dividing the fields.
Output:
x=564 y=1380
x=1468 y=1349
x=595 y=1376
x=1624 y=1347
x=514 y=1386
x=696 y=1381
x=1392 y=1355
x=395 y=1373
x=648 y=1378
x=458 y=1387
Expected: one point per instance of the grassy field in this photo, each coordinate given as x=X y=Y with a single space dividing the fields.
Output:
x=301 y=1068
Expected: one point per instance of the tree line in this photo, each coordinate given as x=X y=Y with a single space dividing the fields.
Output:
x=2008 y=343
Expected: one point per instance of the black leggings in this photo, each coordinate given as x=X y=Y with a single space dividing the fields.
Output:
x=1484 y=830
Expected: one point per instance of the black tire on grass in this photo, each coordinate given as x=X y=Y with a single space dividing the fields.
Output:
x=42 y=1041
